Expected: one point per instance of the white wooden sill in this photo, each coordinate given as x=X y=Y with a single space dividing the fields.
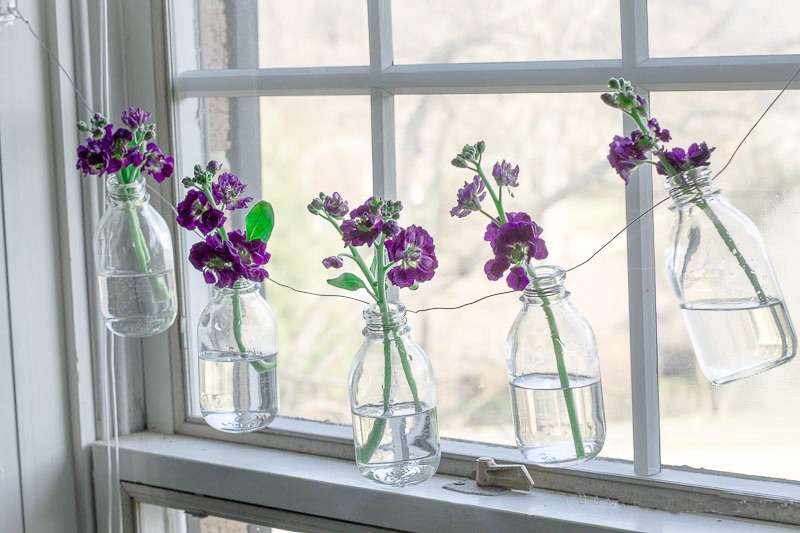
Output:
x=333 y=488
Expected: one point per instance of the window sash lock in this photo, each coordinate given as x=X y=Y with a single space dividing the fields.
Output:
x=492 y=479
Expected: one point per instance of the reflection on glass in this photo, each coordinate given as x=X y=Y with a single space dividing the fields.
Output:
x=712 y=28
x=282 y=33
x=567 y=186
x=749 y=426
x=467 y=31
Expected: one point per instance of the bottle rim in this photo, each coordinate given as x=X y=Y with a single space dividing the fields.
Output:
x=242 y=286
x=690 y=185
x=375 y=319
x=548 y=280
x=124 y=192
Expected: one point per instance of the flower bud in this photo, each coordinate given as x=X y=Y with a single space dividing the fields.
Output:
x=481 y=147
x=458 y=162
x=213 y=166
x=187 y=182
x=609 y=99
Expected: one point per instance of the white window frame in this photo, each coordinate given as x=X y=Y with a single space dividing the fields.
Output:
x=173 y=70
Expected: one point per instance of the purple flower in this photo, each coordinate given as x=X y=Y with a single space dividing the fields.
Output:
x=625 y=154
x=469 y=197
x=159 y=166
x=658 y=133
x=514 y=244
x=98 y=156
x=227 y=190
x=505 y=175
x=390 y=228
x=195 y=211
x=333 y=261
x=252 y=255
x=414 y=249
x=682 y=160
x=335 y=206
x=364 y=225
x=217 y=260
x=135 y=117
x=517 y=278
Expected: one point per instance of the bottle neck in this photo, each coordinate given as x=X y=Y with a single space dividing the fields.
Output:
x=546 y=286
x=242 y=287
x=687 y=188
x=379 y=324
x=123 y=194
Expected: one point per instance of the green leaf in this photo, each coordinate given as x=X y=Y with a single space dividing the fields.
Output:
x=348 y=282
x=260 y=221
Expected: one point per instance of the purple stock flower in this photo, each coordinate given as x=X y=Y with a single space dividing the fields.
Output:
x=98 y=156
x=227 y=191
x=333 y=261
x=469 y=198
x=363 y=227
x=217 y=260
x=414 y=249
x=252 y=255
x=159 y=166
x=625 y=154
x=135 y=117
x=195 y=211
x=699 y=155
x=517 y=278
x=658 y=133
x=390 y=228
x=514 y=244
x=335 y=206
x=504 y=174
x=682 y=160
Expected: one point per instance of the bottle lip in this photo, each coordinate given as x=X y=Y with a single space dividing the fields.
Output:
x=124 y=192
x=374 y=317
x=242 y=286
x=690 y=185
x=548 y=280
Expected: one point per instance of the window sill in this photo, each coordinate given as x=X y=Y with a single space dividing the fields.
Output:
x=334 y=489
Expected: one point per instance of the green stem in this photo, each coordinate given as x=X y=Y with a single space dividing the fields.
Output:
x=718 y=224
x=260 y=366
x=563 y=377
x=498 y=204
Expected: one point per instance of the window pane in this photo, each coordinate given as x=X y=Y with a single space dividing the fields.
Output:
x=156 y=519
x=749 y=426
x=568 y=188
x=289 y=149
x=282 y=33
x=466 y=31
x=712 y=28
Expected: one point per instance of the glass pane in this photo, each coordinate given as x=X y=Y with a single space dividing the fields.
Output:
x=467 y=31
x=156 y=519
x=289 y=149
x=749 y=426
x=568 y=188
x=712 y=28
x=282 y=33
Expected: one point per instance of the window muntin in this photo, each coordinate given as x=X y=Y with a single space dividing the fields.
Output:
x=749 y=426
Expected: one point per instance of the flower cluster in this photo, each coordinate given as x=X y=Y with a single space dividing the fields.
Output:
x=222 y=257
x=514 y=244
x=627 y=153
x=374 y=223
x=129 y=150
x=515 y=238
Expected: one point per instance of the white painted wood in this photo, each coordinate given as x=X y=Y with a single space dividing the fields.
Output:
x=334 y=489
x=641 y=270
x=34 y=280
x=379 y=20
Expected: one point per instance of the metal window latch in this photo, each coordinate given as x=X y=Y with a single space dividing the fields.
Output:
x=492 y=479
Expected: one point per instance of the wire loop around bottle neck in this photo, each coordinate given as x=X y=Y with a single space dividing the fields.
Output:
x=394 y=321
x=690 y=186
x=241 y=286
x=548 y=282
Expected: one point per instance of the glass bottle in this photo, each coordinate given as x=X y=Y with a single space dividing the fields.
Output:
x=238 y=343
x=731 y=302
x=393 y=402
x=135 y=263
x=554 y=376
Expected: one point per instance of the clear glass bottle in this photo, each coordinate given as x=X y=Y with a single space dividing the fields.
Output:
x=393 y=402
x=135 y=263
x=238 y=343
x=554 y=376
x=730 y=298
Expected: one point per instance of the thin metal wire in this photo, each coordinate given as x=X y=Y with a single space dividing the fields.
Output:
x=316 y=293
